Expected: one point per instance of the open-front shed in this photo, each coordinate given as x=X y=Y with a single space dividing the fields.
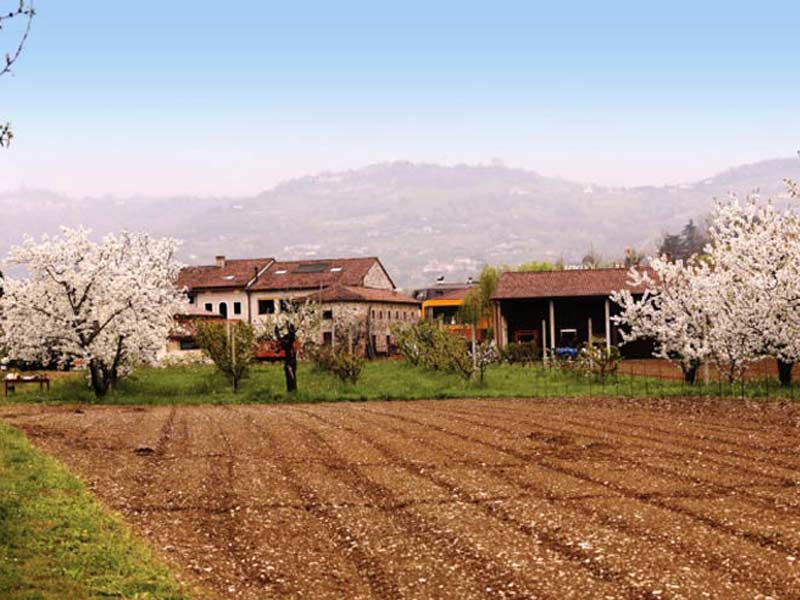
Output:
x=545 y=307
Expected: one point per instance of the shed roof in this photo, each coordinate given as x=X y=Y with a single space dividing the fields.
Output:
x=562 y=284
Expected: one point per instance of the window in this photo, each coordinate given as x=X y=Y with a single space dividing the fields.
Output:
x=327 y=338
x=223 y=309
x=397 y=315
x=327 y=314
x=266 y=307
x=191 y=298
x=311 y=268
x=188 y=345
x=373 y=313
x=237 y=308
x=209 y=307
x=380 y=315
x=286 y=305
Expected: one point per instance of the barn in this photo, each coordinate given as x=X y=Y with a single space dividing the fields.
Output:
x=549 y=308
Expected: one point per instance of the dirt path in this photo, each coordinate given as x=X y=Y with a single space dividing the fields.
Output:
x=443 y=499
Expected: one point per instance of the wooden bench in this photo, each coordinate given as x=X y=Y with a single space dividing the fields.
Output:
x=11 y=384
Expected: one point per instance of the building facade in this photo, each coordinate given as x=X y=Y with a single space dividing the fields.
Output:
x=347 y=289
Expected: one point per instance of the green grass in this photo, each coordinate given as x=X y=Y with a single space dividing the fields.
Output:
x=57 y=542
x=381 y=380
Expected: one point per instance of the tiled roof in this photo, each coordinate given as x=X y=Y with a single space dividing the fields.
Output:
x=235 y=274
x=562 y=284
x=315 y=274
x=347 y=293
x=457 y=294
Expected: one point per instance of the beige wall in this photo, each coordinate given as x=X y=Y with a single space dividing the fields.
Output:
x=382 y=315
x=271 y=295
x=219 y=296
x=377 y=278
x=381 y=318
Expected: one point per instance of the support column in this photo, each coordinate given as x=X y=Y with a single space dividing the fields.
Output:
x=590 y=332
x=552 y=326
x=544 y=342
x=608 y=324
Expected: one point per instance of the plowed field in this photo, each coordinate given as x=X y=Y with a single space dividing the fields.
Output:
x=457 y=499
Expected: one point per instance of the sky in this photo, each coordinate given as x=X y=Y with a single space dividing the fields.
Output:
x=230 y=98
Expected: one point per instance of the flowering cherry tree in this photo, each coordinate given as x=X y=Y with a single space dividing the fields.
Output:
x=673 y=311
x=110 y=304
x=738 y=303
x=755 y=250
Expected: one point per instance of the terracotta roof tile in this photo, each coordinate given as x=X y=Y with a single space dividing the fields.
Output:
x=235 y=274
x=346 y=293
x=317 y=273
x=561 y=284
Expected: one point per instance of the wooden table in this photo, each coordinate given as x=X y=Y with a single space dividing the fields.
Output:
x=11 y=384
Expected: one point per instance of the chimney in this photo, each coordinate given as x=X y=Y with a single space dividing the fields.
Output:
x=220 y=261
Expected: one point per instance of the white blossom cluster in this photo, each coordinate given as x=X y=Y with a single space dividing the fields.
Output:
x=110 y=303
x=737 y=303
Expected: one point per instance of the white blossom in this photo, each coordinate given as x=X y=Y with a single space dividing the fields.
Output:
x=110 y=304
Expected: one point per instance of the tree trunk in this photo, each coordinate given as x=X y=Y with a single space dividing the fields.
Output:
x=100 y=379
x=785 y=372
x=289 y=356
x=290 y=372
x=690 y=371
x=474 y=348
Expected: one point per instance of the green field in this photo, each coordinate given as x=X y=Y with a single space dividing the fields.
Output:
x=57 y=542
x=380 y=380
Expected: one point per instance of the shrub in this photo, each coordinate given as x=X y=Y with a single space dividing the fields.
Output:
x=230 y=346
x=426 y=344
x=522 y=353
x=347 y=367
x=598 y=361
x=486 y=355
x=407 y=342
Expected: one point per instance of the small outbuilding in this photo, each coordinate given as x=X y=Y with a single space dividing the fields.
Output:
x=549 y=307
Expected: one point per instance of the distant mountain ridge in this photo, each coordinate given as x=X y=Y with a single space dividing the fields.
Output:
x=423 y=220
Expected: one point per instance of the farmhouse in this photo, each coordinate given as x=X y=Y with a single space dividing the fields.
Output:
x=551 y=308
x=348 y=289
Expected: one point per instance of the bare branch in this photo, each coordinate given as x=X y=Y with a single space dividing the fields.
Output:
x=25 y=9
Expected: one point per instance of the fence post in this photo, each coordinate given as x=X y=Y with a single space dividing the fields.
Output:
x=630 y=375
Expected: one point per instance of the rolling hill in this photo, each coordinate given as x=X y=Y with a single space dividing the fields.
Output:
x=423 y=220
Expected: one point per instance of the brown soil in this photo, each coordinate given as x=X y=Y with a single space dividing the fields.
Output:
x=451 y=499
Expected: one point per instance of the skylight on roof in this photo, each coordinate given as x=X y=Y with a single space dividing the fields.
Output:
x=280 y=272
x=311 y=268
x=228 y=277
x=335 y=269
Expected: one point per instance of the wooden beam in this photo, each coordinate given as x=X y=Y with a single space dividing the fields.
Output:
x=608 y=324
x=552 y=325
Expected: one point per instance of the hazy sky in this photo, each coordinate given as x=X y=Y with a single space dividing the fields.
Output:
x=232 y=97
